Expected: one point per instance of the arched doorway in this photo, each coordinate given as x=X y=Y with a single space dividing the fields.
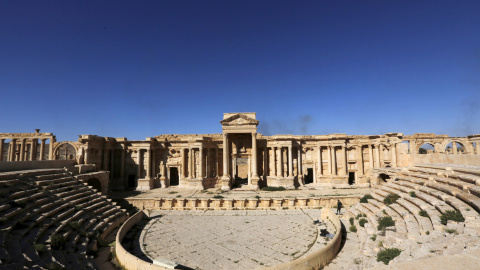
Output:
x=455 y=148
x=65 y=151
x=426 y=148
x=383 y=178
x=95 y=183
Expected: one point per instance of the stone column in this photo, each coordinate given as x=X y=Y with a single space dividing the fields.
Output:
x=216 y=163
x=190 y=157
x=319 y=160
x=394 y=155
x=360 y=160
x=42 y=149
x=200 y=153
x=290 y=162
x=330 y=171
x=454 y=148
x=148 y=155
x=122 y=165
x=154 y=163
x=477 y=146
x=22 y=151
x=334 y=161
x=412 y=147
x=279 y=162
x=345 y=160
x=274 y=161
x=226 y=176
x=207 y=164
x=32 y=148
x=265 y=162
x=50 y=149
x=139 y=153
x=299 y=160
x=370 y=156
x=2 y=141
x=184 y=167
x=377 y=155
x=254 y=156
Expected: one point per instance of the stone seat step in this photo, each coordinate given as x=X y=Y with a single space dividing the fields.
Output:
x=394 y=191
x=378 y=198
x=9 y=182
x=70 y=192
x=467 y=201
x=462 y=185
x=400 y=226
x=432 y=211
x=414 y=180
x=92 y=199
x=364 y=210
x=49 y=177
x=430 y=196
x=441 y=188
x=469 y=179
x=78 y=194
x=410 y=221
x=21 y=194
x=4 y=207
x=380 y=192
x=373 y=208
x=60 y=183
x=424 y=223
x=378 y=204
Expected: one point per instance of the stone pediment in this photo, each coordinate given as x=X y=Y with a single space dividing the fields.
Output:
x=239 y=120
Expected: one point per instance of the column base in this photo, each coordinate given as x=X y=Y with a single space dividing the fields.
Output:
x=195 y=183
x=254 y=182
x=144 y=184
x=226 y=183
x=163 y=182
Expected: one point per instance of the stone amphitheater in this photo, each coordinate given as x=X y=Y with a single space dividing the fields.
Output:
x=240 y=200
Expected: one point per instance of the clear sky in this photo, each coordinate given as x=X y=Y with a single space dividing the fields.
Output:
x=137 y=69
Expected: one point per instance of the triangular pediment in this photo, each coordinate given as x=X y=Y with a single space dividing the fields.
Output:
x=239 y=120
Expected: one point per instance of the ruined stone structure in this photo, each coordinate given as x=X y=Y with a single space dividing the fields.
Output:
x=241 y=156
x=26 y=146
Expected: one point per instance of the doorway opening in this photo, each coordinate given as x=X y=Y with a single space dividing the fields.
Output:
x=131 y=181
x=95 y=184
x=309 y=176
x=173 y=176
x=351 y=178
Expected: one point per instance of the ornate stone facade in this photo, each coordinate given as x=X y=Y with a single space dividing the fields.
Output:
x=240 y=156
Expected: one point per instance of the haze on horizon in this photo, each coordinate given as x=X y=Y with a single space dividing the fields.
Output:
x=139 y=69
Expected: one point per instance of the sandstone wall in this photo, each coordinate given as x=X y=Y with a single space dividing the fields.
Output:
x=237 y=204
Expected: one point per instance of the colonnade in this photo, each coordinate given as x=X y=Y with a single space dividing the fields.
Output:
x=25 y=149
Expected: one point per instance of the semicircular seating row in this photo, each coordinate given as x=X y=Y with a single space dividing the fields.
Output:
x=435 y=191
x=49 y=219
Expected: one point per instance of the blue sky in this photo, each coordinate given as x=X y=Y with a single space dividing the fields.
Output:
x=137 y=69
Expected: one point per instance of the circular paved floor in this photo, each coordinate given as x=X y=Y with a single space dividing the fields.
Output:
x=232 y=239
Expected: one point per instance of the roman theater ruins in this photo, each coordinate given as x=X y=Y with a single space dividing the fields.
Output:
x=240 y=200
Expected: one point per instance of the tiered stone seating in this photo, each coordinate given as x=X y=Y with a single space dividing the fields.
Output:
x=434 y=190
x=37 y=205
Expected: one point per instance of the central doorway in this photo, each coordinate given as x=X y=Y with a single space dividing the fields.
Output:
x=351 y=178
x=173 y=176
x=309 y=176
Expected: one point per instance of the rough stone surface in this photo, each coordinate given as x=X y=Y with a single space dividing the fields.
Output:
x=233 y=239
